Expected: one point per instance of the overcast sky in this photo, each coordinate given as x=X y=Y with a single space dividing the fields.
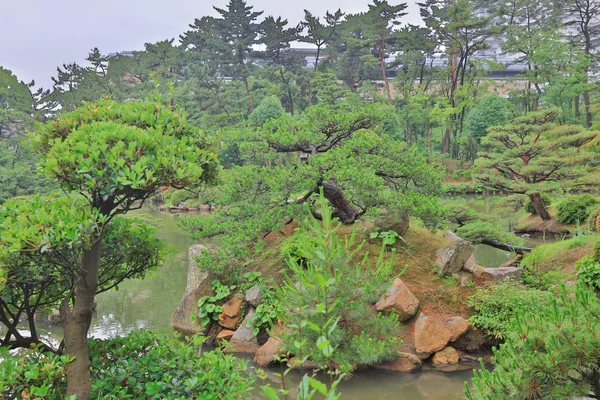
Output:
x=36 y=36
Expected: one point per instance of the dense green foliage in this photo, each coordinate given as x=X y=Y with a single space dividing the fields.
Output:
x=142 y=365
x=42 y=242
x=551 y=351
x=113 y=155
x=588 y=271
x=328 y=300
x=495 y=305
x=491 y=111
x=575 y=209
x=360 y=168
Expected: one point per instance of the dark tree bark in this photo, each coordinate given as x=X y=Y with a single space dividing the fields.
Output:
x=342 y=208
x=539 y=206
x=507 y=247
x=79 y=319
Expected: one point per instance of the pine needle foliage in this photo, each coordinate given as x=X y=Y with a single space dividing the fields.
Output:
x=329 y=299
x=551 y=352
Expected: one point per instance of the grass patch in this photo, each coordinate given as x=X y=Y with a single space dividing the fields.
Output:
x=560 y=256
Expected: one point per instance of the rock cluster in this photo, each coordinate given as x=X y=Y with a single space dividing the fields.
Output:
x=433 y=334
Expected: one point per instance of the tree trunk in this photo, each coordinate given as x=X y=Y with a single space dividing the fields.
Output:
x=577 y=111
x=342 y=208
x=446 y=142
x=508 y=247
x=79 y=319
x=250 y=108
x=588 y=113
x=539 y=206
x=382 y=64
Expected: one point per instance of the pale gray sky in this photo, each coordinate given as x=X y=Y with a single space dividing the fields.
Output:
x=36 y=36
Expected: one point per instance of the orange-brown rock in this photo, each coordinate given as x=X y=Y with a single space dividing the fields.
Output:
x=399 y=299
x=267 y=352
x=433 y=334
x=232 y=312
x=224 y=335
x=406 y=362
x=447 y=356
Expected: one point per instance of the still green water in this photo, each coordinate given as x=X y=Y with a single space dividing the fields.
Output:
x=149 y=304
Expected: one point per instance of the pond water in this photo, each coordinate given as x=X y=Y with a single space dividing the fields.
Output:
x=149 y=304
x=488 y=256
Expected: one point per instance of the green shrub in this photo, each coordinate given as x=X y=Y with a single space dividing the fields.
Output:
x=460 y=214
x=174 y=197
x=481 y=230
x=142 y=365
x=575 y=209
x=329 y=301
x=494 y=305
x=593 y=220
x=588 y=270
x=551 y=352
x=269 y=108
x=597 y=251
x=291 y=247
x=529 y=208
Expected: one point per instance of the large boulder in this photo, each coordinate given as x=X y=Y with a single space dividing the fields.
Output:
x=432 y=334
x=265 y=355
x=198 y=284
x=243 y=340
x=399 y=299
x=397 y=221
x=502 y=274
x=447 y=356
x=453 y=257
x=406 y=362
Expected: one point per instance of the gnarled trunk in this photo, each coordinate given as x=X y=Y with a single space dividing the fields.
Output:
x=78 y=323
x=342 y=208
x=539 y=206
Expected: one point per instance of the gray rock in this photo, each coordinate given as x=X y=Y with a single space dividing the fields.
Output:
x=502 y=274
x=472 y=267
x=198 y=284
x=243 y=340
x=453 y=257
x=254 y=296
x=397 y=221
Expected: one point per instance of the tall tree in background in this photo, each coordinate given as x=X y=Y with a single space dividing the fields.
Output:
x=382 y=18
x=277 y=38
x=238 y=27
x=461 y=33
x=319 y=34
x=583 y=14
x=528 y=25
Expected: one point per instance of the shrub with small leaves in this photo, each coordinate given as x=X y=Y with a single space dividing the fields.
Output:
x=142 y=365
x=209 y=307
x=593 y=219
x=575 y=209
x=588 y=270
x=494 y=305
